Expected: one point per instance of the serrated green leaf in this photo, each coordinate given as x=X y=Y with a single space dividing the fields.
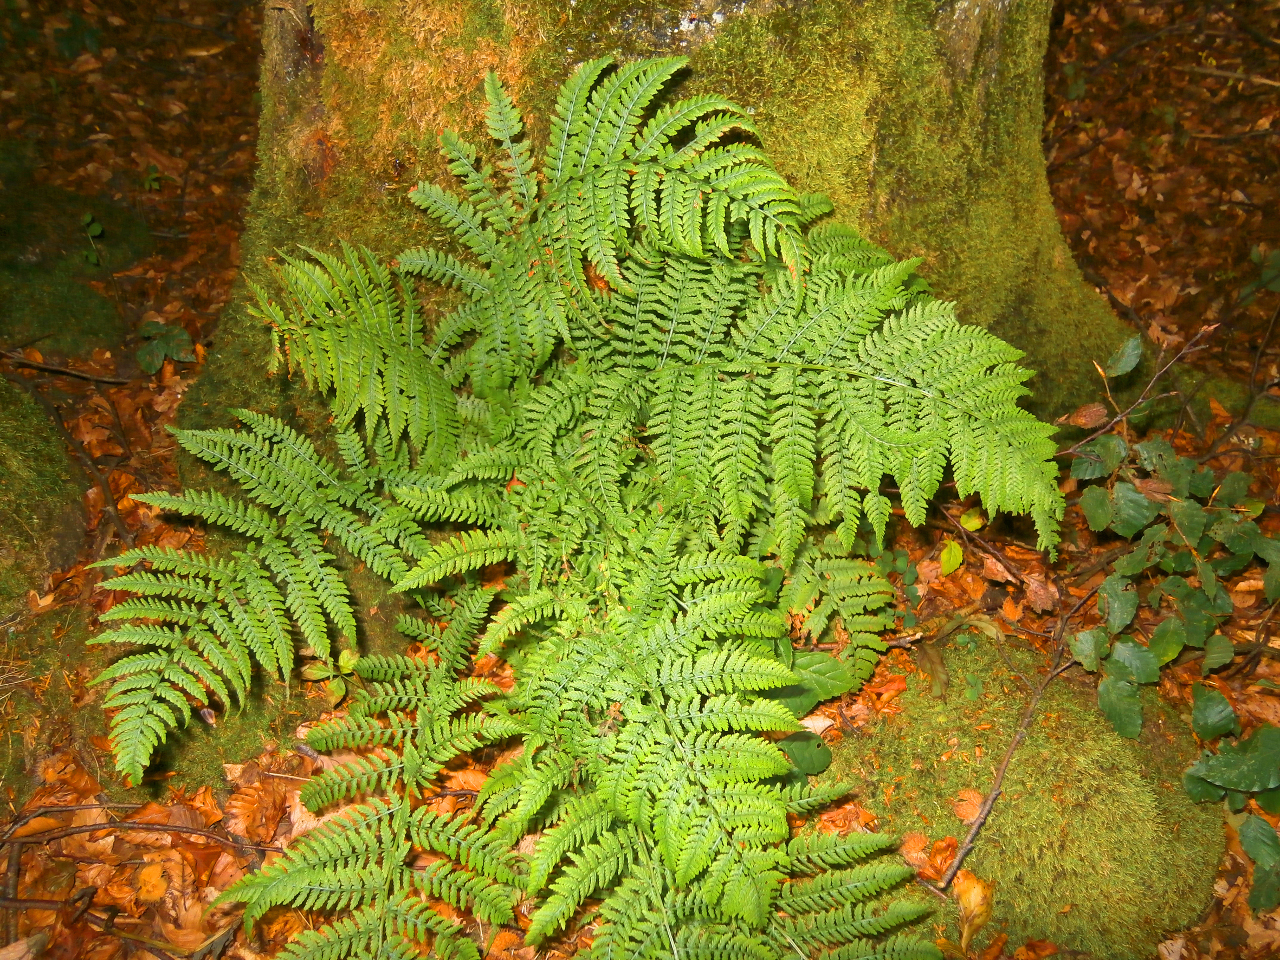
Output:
x=1211 y=713
x=1096 y=505
x=819 y=675
x=1132 y=510
x=951 y=558
x=1099 y=457
x=807 y=751
x=1140 y=661
x=1118 y=602
x=1248 y=765
x=1119 y=701
x=1089 y=646
x=1125 y=358
x=1167 y=640
x=1260 y=842
x=1218 y=652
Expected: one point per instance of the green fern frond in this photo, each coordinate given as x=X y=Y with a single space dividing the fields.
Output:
x=662 y=410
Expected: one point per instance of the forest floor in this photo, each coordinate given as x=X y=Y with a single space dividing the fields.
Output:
x=1163 y=138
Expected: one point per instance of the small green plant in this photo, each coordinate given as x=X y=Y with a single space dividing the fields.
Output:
x=161 y=341
x=1189 y=529
x=92 y=230
x=336 y=675
x=1260 y=842
x=1268 y=278
x=152 y=178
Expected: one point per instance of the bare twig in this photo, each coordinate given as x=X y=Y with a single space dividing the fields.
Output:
x=1255 y=391
x=1191 y=346
x=18 y=360
x=1230 y=75
x=992 y=549
x=1061 y=663
x=126 y=826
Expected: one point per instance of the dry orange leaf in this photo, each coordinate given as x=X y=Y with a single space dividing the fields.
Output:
x=967 y=805
x=152 y=883
x=1035 y=950
x=36 y=825
x=974 y=897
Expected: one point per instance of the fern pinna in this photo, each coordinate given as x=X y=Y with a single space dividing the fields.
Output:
x=665 y=405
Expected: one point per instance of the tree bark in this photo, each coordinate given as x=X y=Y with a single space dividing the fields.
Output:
x=920 y=120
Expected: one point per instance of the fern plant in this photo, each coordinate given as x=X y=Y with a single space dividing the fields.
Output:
x=662 y=412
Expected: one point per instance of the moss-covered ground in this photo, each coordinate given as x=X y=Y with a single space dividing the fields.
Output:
x=1093 y=845
x=47 y=703
x=40 y=517
x=48 y=258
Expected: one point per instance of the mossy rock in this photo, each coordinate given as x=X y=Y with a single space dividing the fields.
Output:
x=41 y=522
x=1093 y=845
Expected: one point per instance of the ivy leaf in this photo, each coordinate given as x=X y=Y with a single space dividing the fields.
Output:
x=951 y=558
x=807 y=752
x=1099 y=457
x=820 y=677
x=1125 y=358
x=1119 y=701
x=1211 y=714
x=1140 y=661
x=163 y=341
x=1096 y=504
x=1248 y=765
x=1117 y=601
x=1218 y=651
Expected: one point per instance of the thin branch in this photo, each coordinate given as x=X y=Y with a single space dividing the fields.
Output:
x=127 y=826
x=1230 y=75
x=18 y=360
x=1190 y=346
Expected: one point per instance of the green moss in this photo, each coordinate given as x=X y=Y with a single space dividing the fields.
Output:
x=932 y=152
x=45 y=296
x=41 y=524
x=64 y=712
x=1093 y=845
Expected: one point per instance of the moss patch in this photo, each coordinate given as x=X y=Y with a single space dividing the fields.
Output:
x=55 y=705
x=45 y=295
x=1094 y=845
x=41 y=523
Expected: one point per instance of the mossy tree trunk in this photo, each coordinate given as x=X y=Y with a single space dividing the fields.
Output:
x=921 y=121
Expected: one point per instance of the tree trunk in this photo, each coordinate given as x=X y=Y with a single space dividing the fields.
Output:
x=921 y=122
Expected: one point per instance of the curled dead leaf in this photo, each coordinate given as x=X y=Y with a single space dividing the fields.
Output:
x=1157 y=491
x=993 y=569
x=152 y=884
x=974 y=898
x=1086 y=417
x=1041 y=595
x=968 y=805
